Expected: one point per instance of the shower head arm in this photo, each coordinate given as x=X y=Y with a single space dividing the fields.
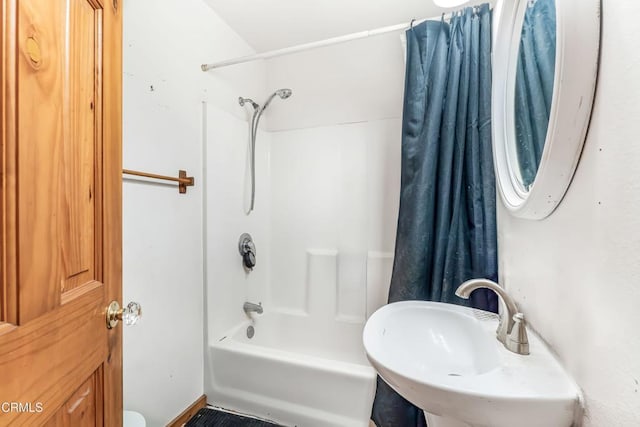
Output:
x=243 y=101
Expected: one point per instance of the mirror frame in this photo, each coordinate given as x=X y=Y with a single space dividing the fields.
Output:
x=577 y=54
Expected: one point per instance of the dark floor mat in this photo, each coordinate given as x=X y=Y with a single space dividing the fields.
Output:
x=207 y=417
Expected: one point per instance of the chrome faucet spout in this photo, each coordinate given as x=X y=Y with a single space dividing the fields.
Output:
x=250 y=307
x=514 y=339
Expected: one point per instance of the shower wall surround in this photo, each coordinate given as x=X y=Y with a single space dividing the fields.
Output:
x=327 y=187
x=335 y=174
x=333 y=216
x=164 y=42
x=576 y=273
x=228 y=188
x=328 y=179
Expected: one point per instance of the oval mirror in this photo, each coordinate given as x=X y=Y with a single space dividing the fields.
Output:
x=545 y=68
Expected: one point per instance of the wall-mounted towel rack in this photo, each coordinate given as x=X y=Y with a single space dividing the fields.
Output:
x=183 y=180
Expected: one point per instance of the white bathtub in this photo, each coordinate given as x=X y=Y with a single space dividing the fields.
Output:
x=296 y=370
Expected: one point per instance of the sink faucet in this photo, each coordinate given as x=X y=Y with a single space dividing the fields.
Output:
x=249 y=307
x=512 y=330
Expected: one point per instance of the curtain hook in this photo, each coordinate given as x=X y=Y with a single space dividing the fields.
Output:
x=412 y=22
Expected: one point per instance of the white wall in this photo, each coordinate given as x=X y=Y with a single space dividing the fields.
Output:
x=576 y=274
x=359 y=81
x=164 y=45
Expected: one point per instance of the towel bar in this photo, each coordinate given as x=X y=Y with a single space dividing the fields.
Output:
x=183 y=180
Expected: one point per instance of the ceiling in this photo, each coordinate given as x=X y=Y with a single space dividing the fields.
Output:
x=274 y=24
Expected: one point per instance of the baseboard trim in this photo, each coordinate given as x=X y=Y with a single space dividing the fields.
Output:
x=186 y=415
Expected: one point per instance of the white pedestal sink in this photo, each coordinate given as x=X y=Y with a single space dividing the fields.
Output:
x=446 y=360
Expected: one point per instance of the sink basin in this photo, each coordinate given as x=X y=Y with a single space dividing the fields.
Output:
x=446 y=360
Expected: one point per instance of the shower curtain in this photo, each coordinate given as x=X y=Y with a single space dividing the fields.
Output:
x=534 y=85
x=447 y=225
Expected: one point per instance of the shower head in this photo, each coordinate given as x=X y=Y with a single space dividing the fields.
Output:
x=257 y=113
x=282 y=93
x=243 y=101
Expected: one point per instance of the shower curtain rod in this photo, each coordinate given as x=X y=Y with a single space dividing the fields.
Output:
x=315 y=45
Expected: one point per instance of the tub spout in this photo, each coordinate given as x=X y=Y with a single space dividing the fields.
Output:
x=250 y=307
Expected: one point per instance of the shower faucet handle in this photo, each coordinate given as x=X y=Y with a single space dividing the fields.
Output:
x=247 y=251
x=249 y=260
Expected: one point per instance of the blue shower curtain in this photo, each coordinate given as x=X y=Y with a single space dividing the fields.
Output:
x=447 y=225
x=534 y=85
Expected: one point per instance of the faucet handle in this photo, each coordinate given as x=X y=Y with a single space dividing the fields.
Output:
x=249 y=260
x=247 y=251
x=517 y=341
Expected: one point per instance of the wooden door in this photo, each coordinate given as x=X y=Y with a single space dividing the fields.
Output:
x=60 y=207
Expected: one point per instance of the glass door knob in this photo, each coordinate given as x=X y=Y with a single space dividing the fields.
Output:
x=129 y=314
